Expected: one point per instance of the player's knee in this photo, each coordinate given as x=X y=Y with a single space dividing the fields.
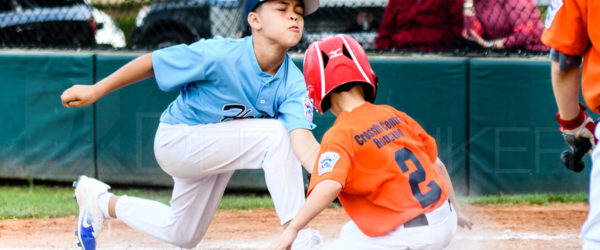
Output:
x=186 y=235
x=187 y=242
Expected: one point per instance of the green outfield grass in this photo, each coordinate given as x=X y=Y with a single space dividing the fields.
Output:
x=49 y=202
x=528 y=199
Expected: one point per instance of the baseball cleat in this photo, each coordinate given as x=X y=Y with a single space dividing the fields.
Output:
x=91 y=219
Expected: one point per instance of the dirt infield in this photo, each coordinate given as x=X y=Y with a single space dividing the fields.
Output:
x=555 y=226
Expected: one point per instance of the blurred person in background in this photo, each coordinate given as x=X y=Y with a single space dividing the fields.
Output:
x=425 y=25
x=503 y=24
x=364 y=22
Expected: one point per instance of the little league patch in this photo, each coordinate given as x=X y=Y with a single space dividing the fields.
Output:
x=308 y=109
x=326 y=162
x=554 y=6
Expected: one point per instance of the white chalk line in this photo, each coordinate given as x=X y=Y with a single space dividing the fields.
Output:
x=510 y=235
x=462 y=236
x=469 y=236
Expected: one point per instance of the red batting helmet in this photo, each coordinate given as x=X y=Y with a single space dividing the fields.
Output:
x=332 y=62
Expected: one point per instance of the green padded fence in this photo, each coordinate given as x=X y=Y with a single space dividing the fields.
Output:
x=127 y=119
x=38 y=137
x=493 y=120
x=514 y=142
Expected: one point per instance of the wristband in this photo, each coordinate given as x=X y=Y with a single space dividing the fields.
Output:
x=575 y=122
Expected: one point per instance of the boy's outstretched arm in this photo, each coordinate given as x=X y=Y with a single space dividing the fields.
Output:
x=463 y=221
x=305 y=146
x=320 y=197
x=82 y=95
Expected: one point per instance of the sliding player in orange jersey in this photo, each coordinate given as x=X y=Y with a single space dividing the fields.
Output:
x=378 y=161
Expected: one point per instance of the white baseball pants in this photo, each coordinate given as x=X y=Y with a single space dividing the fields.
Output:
x=590 y=232
x=436 y=235
x=201 y=159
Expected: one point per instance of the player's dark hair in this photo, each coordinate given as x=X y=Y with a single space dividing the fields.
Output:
x=367 y=90
x=246 y=29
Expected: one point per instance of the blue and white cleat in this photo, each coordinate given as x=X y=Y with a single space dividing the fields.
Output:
x=91 y=219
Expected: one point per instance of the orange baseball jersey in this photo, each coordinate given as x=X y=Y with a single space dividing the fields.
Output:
x=384 y=161
x=572 y=28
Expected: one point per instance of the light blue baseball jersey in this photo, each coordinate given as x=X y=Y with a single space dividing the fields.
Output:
x=220 y=80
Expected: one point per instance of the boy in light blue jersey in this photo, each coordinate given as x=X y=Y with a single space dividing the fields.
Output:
x=206 y=133
x=217 y=88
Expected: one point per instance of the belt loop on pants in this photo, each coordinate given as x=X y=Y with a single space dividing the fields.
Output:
x=421 y=219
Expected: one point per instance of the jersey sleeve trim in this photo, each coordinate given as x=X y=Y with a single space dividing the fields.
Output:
x=561 y=46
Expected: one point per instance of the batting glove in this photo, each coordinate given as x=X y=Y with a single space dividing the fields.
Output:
x=580 y=127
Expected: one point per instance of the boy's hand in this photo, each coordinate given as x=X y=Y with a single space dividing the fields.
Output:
x=80 y=96
x=285 y=240
x=463 y=221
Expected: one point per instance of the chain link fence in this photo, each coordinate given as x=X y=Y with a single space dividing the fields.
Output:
x=387 y=26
